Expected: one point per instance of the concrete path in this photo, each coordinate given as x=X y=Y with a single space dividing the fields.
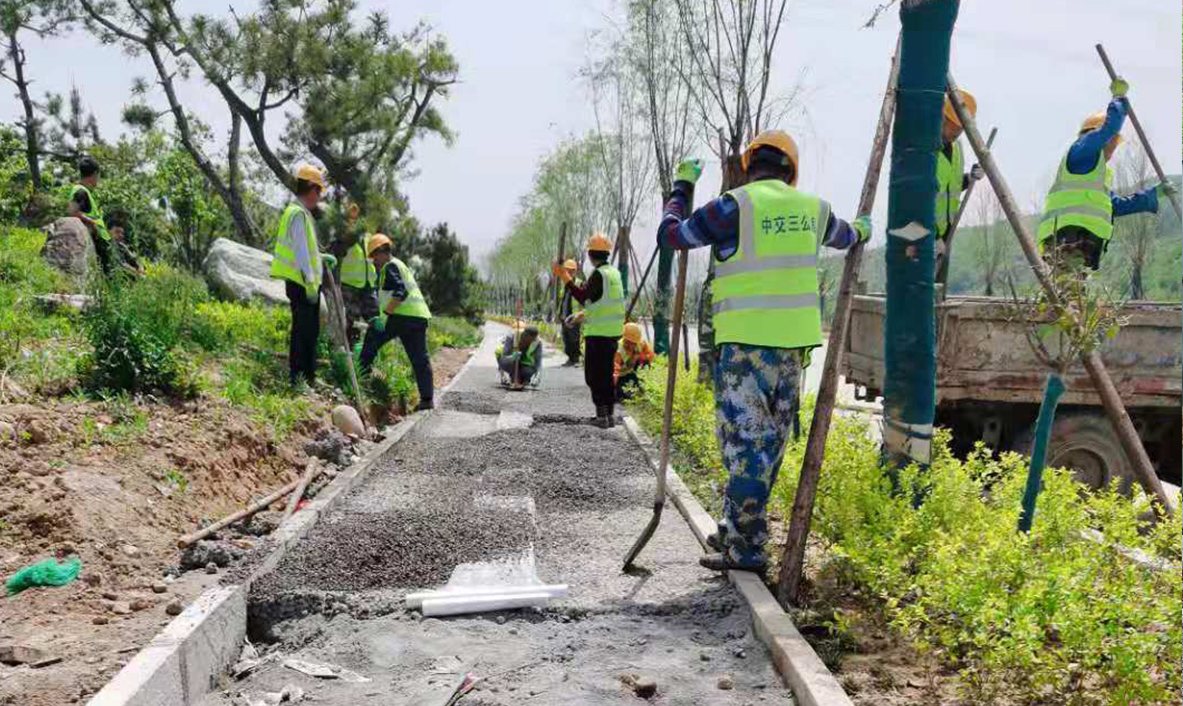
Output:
x=508 y=482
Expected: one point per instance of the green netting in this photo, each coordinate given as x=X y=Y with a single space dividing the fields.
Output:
x=44 y=573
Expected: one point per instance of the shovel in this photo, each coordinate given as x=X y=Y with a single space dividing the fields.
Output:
x=668 y=412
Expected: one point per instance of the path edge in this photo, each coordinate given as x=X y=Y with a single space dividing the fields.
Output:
x=799 y=666
x=183 y=661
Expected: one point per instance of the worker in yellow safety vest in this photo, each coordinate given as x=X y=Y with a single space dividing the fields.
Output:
x=1078 y=215
x=357 y=275
x=951 y=177
x=765 y=237
x=298 y=261
x=85 y=207
x=603 y=323
x=402 y=314
x=571 y=312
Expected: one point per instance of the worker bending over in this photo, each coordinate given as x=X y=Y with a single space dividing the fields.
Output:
x=85 y=207
x=520 y=355
x=298 y=261
x=358 y=276
x=634 y=354
x=1078 y=214
x=951 y=177
x=572 y=314
x=402 y=314
x=766 y=236
x=603 y=321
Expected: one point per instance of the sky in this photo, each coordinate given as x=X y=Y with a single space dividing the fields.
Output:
x=1031 y=65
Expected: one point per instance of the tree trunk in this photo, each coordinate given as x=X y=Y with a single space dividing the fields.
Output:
x=909 y=389
x=32 y=141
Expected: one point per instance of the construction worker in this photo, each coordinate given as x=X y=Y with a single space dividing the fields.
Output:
x=520 y=355
x=85 y=207
x=634 y=354
x=124 y=257
x=765 y=236
x=402 y=314
x=572 y=313
x=603 y=323
x=298 y=261
x=358 y=276
x=951 y=177
x=1078 y=214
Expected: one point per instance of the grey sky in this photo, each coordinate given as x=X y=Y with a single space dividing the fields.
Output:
x=1031 y=65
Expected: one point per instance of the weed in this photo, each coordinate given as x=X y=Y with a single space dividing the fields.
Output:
x=177 y=479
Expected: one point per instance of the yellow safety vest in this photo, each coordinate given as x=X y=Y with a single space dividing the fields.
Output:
x=283 y=262
x=1081 y=200
x=950 y=176
x=605 y=317
x=95 y=214
x=414 y=305
x=766 y=293
x=356 y=269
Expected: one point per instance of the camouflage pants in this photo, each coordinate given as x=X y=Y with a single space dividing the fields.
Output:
x=756 y=400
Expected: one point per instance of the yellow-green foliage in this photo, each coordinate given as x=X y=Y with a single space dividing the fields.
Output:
x=1044 y=618
x=25 y=329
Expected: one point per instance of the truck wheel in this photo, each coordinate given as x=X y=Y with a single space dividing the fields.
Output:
x=1086 y=443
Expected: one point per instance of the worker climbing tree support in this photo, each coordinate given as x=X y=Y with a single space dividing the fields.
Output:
x=764 y=237
x=298 y=261
x=603 y=324
x=403 y=314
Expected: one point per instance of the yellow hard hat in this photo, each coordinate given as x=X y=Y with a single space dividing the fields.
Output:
x=632 y=332
x=599 y=243
x=309 y=173
x=571 y=265
x=971 y=104
x=1094 y=122
x=779 y=140
x=376 y=241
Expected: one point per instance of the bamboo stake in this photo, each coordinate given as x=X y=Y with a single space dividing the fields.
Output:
x=1110 y=398
x=294 y=498
x=793 y=561
x=943 y=273
x=193 y=537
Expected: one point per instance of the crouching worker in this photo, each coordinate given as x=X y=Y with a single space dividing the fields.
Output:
x=520 y=360
x=402 y=314
x=633 y=355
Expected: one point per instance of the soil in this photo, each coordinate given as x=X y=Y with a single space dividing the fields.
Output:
x=116 y=485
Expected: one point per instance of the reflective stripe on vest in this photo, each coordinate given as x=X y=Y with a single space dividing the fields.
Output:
x=414 y=305
x=283 y=260
x=605 y=317
x=95 y=213
x=766 y=294
x=356 y=270
x=950 y=175
x=1080 y=200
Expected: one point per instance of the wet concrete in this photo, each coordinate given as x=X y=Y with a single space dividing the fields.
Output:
x=474 y=485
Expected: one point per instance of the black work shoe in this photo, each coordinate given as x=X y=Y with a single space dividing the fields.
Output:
x=602 y=422
x=714 y=541
x=722 y=562
x=425 y=404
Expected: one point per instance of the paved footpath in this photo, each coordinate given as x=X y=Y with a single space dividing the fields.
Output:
x=510 y=481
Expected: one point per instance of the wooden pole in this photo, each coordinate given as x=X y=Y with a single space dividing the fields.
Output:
x=258 y=506
x=1110 y=399
x=337 y=309
x=1162 y=176
x=294 y=498
x=943 y=272
x=793 y=561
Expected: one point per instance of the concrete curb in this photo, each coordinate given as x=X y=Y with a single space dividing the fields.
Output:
x=801 y=669
x=180 y=665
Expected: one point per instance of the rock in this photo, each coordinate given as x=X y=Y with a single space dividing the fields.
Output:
x=100 y=620
x=141 y=604
x=92 y=580
x=111 y=595
x=332 y=447
x=208 y=551
x=68 y=246
x=211 y=568
x=159 y=587
x=38 y=431
x=242 y=273
x=131 y=550
x=121 y=608
x=7 y=431
x=19 y=654
x=704 y=656
x=292 y=694
x=726 y=682
x=59 y=302
x=644 y=687
x=174 y=607
x=348 y=421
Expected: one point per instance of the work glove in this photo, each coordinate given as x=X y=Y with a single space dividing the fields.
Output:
x=1119 y=87
x=312 y=294
x=862 y=226
x=378 y=323
x=329 y=259
x=689 y=170
x=561 y=272
x=976 y=172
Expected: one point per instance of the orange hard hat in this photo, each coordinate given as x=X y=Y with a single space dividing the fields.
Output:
x=599 y=243
x=778 y=140
x=571 y=265
x=1094 y=122
x=377 y=240
x=971 y=104
x=632 y=332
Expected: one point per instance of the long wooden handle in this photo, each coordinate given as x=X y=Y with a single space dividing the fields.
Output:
x=258 y=506
x=1162 y=176
x=671 y=381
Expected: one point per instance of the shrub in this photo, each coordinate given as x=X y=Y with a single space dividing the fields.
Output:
x=220 y=326
x=23 y=275
x=452 y=332
x=1045 y=617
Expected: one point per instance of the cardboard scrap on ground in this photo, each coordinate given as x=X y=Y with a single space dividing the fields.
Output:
x=325 y=671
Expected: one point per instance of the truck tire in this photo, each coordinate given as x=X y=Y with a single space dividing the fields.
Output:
x=1086 y=443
